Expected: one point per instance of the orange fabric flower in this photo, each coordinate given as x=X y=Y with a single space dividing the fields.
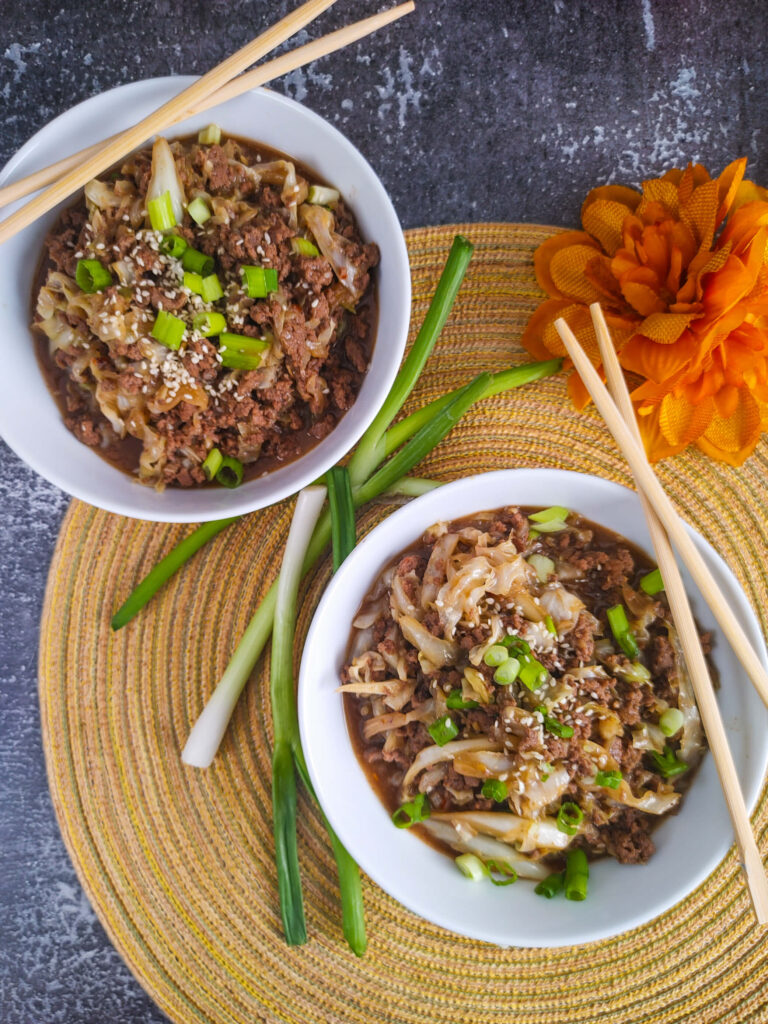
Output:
x=681 y=271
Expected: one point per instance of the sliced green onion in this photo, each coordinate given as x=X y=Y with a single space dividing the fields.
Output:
x=456 y=702
x=303 y=247
x=556 y=513
x=652 y=582
x=230 y=473
x=173 y=245
x=241 y=352
x=671 y=721
x=342 y=513
x=576 y=875
x=549 y=622
x=516 y=646
x=507 y=672
x=502 y=869
x=667 y=764
x=569 y=817
x=533 y=674
x=543 y=566
x=552 y=725
x=161 y=215
x=193 y=282
x=533 y=535
x=321 y=195
x=209 y=323
x=196 y=261
x=259 y=281
x=471 y=866
x=210 y=135
x=91 y=276
x=199 y=211
x=168 y=329
x=495 y=655
x=212 y=464
x=211 y=288
x=443 y=730
x=551 y=885
x=617 y=620
x=496 y=790
x=611 y=779
x=547 y=770
x=412 y=812
x=635 y=672
x=551 y=526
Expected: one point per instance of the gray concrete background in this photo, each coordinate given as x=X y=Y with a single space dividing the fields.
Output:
x=490 y=110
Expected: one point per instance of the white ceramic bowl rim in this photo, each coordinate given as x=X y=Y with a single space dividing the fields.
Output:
x=689 y=845
x=40 y=437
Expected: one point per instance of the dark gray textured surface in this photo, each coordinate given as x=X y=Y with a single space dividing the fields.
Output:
x=490 y=110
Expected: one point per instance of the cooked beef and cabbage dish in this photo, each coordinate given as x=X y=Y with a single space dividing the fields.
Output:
x=208 y=303
x=515 y=689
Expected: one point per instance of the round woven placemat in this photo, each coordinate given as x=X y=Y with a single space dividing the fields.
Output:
x=178 y=863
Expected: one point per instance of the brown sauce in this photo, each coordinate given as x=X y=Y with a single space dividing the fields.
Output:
x=123 y=453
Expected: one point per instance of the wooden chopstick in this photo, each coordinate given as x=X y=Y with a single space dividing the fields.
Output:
x=751 y=861
x=273 y=69
x=164 y=115
x=646 y=481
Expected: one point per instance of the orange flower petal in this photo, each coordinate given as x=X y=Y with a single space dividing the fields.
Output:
x=700 y=211
x=642 y=297
x=545 y=315
x=741 y=226
x=733 y=438
x=566 y=269
x=656 y=445
x=543 y=256
x=728 y=184
x=628 y=197
x=665 y=328
x=577 y=392
x=598 y=273
x=681 y=423
x=604 y=219
x=749 y=192
x=665 y=192
x=658 y=363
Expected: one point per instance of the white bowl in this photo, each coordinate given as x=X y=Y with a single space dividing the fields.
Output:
x=29 y=418
x=689 y=845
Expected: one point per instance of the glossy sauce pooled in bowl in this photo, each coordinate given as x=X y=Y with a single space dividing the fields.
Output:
x=157 y=407
x=513 y=688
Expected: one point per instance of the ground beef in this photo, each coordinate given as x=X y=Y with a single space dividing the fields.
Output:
x=581 y=638
x=628 y=839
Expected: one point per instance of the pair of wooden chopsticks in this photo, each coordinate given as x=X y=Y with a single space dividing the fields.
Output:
x=615 y=406
x=222 y=83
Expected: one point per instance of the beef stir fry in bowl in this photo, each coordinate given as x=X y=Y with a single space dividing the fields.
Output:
x=206 y=310
x=516 y=690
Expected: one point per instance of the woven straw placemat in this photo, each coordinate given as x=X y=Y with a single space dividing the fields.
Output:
x=178 y=863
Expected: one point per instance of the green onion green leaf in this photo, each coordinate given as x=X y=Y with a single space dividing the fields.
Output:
x=551 y=885
x=569 y=817
x=443 y=730
x=496 y=790
x=91 y=276
x=412 y=812
x=576 y=878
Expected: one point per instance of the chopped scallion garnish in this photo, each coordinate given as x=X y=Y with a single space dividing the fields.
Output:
x=495 y=655
x=551 y=885
x=303 y=247
x=193 y=282
x=471 y=866
x=544 y=566
x=652 y=582
x=556 y=513
x=507 y=672
x=412 y=812
x=168 y=329
x=212 y=464
x=210 y=135
x=209 y=323
x=611 y=779
x=196 y=261
x=509 y=873
x=211 y=289
x=668 y=764
x=92 y=276
x=671 y=721
x=230 y=473
x=321 y=195
x=199 y=211
x=496 y=790
x=160 y=210
x=549 y=622
x=569 y=817
x=342 y=513
x=576 y=875
x=455 y=701
x=625 y=638
x=552 y=725
x=533 y=674
x=173 y=245
x=443 y=730
x=240 y=351
x=259 y=281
